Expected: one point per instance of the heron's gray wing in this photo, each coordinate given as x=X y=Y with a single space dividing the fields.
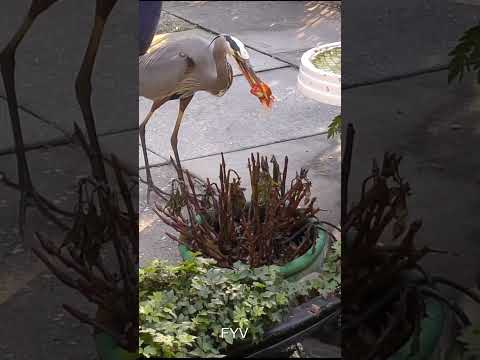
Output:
x=161 y=71
x=176 y=62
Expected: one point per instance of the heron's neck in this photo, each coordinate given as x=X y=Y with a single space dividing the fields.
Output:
x=221 y=62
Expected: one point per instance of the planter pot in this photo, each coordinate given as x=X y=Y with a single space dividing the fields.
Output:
x=311 y=261
x=299 y=322
x=432 y=327
x=107 y=349
x=319 y=84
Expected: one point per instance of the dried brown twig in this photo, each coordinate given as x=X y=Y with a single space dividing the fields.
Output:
x=220 y=223
x=383 y=303
x=103 y=225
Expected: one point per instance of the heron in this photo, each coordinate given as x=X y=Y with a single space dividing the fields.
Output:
x=83 y=92
x=177 y=68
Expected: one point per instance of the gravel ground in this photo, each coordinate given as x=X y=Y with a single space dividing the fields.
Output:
x=170 y=23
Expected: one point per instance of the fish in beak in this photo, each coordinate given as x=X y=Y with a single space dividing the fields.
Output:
x=257 y=87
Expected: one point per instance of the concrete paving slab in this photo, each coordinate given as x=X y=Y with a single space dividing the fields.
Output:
x=153 y=243
x=292 y=57
x=400 y=37
x=239 y=16
x=124 y=146
x=320 y=155
x=38 y=327
x=173 y=4
x=435 y=128
x=279 y=41
x=467 y=2
x=153 y=158
x=272 y=27
x=260 y=62
x=48 y=61
x=237 y=120
x=169 y=23
x=35 y=130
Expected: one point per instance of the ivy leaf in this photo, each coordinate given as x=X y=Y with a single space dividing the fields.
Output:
x=228 y=337
x=149 y=351
x=259 y=285
x=186 y=338
x=170 y=312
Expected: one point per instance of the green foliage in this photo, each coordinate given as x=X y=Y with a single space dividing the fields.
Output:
x=466 y=58
x=329 y=60
x=471 y=338
x=329 y=281
x=184 y=307
x=466 y=55
x=335 y=127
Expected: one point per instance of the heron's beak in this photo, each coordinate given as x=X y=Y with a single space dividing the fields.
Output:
x=257 y=87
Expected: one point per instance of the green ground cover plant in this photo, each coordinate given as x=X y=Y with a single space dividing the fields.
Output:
x=465 y=57
x=183 y=307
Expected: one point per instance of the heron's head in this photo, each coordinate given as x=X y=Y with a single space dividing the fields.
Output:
x=258 y=88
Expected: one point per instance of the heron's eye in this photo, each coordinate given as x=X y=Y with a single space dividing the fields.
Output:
x=238 y=48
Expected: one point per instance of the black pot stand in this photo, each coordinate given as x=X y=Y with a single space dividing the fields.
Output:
x=301 y=322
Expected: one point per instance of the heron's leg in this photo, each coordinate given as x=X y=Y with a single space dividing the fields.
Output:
x=156 y=104
x=83 y=86
x=7 y=67
x=174 y=139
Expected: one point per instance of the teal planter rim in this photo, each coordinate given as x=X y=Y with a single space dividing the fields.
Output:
x=291 y=268
x=108 y=349
x=432 y=327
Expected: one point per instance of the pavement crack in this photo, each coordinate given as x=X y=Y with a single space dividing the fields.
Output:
x=117 y=132
x=394 y=78
x=257 y=146
x=61 y=141
x=240 y=149
x=265 y=70
x=217 y=33
x=42 y=119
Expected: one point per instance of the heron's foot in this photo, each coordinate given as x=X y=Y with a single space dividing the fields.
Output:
x=30 y=197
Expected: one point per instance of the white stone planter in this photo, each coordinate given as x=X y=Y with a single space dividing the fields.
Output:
x=321 y=85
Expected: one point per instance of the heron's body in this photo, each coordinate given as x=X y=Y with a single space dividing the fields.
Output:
x=167 y=71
